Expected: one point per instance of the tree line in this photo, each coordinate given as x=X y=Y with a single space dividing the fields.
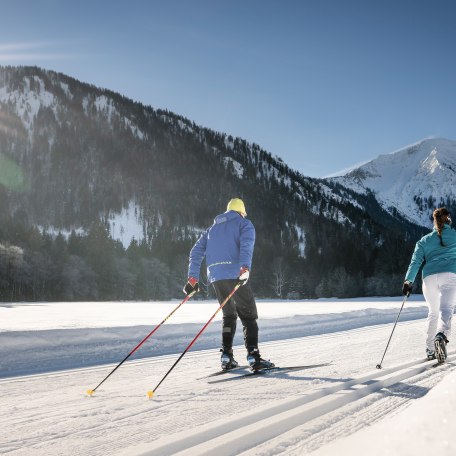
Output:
x=93 y=266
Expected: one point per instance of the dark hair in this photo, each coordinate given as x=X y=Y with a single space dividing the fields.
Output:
x=441 y=216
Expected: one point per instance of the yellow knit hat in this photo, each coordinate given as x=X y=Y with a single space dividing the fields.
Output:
x=237 y=205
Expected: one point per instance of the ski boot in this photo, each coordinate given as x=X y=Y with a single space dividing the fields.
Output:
x=440 y=342
x=227 y=360
x=256 y=362
x=430 y=354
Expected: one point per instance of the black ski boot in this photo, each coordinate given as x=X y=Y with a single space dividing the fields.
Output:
x=440 y=342
x=256 y=362
x=430 y=354
x=227 y=360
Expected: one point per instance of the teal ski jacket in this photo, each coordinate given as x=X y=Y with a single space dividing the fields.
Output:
x=437 y=258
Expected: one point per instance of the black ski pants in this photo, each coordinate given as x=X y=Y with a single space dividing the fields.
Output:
x=241 y=304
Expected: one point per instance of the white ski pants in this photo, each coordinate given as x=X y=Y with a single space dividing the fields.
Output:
x=439 y=290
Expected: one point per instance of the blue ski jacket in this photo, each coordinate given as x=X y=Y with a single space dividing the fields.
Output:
x=437 y=258
x=227 y=245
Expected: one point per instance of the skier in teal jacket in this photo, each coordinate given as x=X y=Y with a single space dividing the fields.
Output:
x=437 y=250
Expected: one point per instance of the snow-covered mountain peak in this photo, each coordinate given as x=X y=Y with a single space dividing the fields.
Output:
x=27 y=98
x=25 y=91
x=412 y=180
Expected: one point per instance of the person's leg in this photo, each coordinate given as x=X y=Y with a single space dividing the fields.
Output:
x=247 y=311
x=222 y=289
x=431 y=293
x=447 y=282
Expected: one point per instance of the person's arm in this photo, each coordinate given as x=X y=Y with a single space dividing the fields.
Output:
x=197 y=255
x=415 y=263
x=247 y=243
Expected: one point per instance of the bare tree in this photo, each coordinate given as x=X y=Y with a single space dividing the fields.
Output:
x=280 y=274
x=11 y=260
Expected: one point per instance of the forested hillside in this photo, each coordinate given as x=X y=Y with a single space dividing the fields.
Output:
x=74 y=156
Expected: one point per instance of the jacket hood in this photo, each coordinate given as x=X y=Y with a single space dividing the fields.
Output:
x=226 y=217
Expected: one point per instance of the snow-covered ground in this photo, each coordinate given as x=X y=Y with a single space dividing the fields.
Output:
x=52 y=353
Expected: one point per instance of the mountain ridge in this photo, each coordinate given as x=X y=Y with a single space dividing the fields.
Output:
x=412 y=180
x=91 y=158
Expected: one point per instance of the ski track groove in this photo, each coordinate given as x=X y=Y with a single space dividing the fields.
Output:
x=47 y=418
x=110 y=426
x=50 y=417
x=342 y=422
x=347 y=420
x=234 y=437
x=95 y=437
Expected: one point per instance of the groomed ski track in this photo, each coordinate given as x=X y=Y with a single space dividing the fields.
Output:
x=290 y=413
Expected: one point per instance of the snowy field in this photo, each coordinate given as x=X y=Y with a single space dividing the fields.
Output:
x=52 y=353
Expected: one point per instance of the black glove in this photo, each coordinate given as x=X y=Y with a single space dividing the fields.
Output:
x=191 y=285
x=407 y=288
x=244 y=274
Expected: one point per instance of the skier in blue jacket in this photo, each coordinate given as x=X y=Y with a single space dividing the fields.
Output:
x=437 y=250
x=228 y=248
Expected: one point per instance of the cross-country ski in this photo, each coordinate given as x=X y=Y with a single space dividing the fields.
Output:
x=265 y=371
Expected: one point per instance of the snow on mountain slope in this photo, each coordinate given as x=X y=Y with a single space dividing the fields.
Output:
x=412 y=180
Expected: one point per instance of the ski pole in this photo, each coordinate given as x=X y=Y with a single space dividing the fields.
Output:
x=379 y=366
x=151 y=393
x=91 y=391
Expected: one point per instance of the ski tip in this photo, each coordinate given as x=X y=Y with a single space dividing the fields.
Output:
x=90 y=392
x=150 y=394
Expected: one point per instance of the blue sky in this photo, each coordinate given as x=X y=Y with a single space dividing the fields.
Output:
x=322 y=84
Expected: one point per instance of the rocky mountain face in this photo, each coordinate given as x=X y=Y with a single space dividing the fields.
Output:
x=102 y=197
